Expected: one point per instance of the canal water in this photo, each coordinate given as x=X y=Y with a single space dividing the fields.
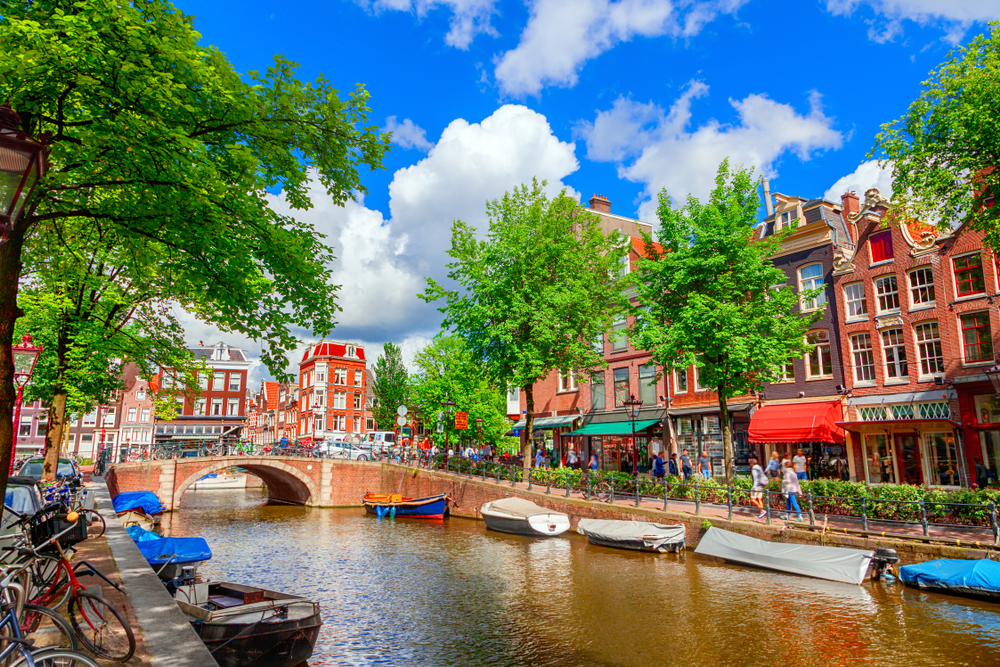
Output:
x=396 y=592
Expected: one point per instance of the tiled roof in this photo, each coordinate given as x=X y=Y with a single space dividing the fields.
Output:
x=207 y=352
x=271 y=394
x=328 y=349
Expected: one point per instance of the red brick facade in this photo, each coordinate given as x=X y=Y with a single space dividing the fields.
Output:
x=332 y=383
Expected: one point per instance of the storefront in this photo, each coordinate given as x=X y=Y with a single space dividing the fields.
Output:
x=907 y=439
x=698 y=429
x=809 y=426
x=546 y=432
x=612 y=442
x=980 y=412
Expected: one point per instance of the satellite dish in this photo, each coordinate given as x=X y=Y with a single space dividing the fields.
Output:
x=401 y=411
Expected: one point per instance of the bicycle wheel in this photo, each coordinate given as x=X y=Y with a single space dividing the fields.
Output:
x=603 y=492
x=96 y=525
x=101 y=626
x=58 y=657
x=50 y=629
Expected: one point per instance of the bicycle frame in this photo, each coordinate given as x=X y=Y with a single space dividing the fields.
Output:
x=17 y=641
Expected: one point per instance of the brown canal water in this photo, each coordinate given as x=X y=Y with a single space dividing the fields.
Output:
x=397 y=592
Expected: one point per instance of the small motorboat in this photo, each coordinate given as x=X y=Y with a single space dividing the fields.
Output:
x=137 y=518
x=146 y=501
x=832 y=563
x=168 y=555
x=971 y=578
x=635 y=535
x=523 y=517
x=219 y=482
x=245 y=626
x=395 y=505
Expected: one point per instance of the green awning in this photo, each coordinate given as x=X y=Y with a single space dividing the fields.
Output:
x=547 y=422
x=614 y=428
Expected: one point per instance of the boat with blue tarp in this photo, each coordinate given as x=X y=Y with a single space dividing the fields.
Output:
x=146 y=502
x=167 y=555
x=395 y=505
x=971 y=578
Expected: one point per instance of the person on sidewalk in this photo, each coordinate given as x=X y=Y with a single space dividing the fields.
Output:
x=983 y=473
x=774 y=466
x=658 y=470
x=594 y=463
x=686 y=465
x=673 y=464
x=759 y=484
x=572 y=460
x=790 y=485
x=705 y=466
x=539 y=457
x=799 y=461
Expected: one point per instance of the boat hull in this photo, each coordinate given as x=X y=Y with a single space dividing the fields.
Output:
x=633 y=535
x=546 y=525
x=431 y=507
x=978 y=579
x=634 y=544
x=272 y=644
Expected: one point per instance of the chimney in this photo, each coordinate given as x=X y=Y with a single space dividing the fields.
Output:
x=600 y=203
x=851 y=202
x=768 y=204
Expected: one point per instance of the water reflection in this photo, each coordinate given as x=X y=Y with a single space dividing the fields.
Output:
x=409 y=593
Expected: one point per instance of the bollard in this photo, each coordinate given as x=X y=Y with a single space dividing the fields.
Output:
x=513 y=475
x=612 y=501
x=923 y=516
x=636 y=491
x=812 y=515
x=484 y=471
x=498 y=475
x=864 y=514
x=548 y=480
x=993 y=520
x=697 y=499
x=767 y=504
x=567 y=484
x=666 y=494
x=589 y=485
x=531 y=476
x=729 y=501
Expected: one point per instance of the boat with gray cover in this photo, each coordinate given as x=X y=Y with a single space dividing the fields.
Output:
x=635 y=535
x=523 y=517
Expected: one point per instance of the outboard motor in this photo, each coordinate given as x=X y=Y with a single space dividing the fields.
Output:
x=882 y=562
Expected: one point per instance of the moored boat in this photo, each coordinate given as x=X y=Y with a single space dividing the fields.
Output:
x=168 y=555
x=970 y=578
x=395 y=505
x=832 y=563
x=216 y=482
x=523 y=517
x=246 y=626
x=634 y=535
x=137 y=518
x=145 y=501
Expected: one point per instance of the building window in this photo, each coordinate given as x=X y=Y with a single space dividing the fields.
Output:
x=597 y=400
x=131 y=415
x=895 y=353
x=619 y=341
x=357 y=401
x=888 y=294
x=319 y=397
x=922 y=287
x=712 y=425
x=234 y=382
x=698 y=384
x=203 y=380
x=647 y=384
x=340 y=422
x=681 y=381
x=340 y=400
x=90 y=418
x=878 y=460
x=199 y=407
x=340 y=376
x=969 y=275
x=621 y=386
x=140 y=394
x=786 y=372
x=599 y=343
x=811 y=278
x=320 y=377
x=219 y=382
x=567 y=381
x=109 y=417
x=929 y=348
x=819 y=362
x=786 y=218
x=233 y=407
x=357 y=424
x=370 y=424
x=24 y=431
x=318 y=424
x=881 y=246
x=350 y=350
x=217 y=407
x=942 y=457
x=857 y=305
x=864 y=360
x=977 y=343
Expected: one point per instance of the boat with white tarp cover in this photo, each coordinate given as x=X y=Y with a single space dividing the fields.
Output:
x=635 y=535
x=832 y=563
x=523 y=517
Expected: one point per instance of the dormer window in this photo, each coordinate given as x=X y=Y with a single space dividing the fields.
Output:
x=785 y=219
x=350 y=350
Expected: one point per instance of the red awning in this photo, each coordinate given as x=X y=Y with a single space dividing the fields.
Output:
x=797 y=422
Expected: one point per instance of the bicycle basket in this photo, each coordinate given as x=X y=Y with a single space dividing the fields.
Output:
x=54 y=525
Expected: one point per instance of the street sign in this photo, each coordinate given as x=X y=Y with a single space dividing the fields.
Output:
x=440 y=428
x=440 y=416
x=401 y=411
x=461 y=421
x=401 y=420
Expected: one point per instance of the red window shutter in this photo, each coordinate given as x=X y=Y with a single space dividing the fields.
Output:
x=881 y=246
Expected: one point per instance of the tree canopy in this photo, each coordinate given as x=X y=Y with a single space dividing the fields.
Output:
x=536 y=292
x=945 y=149
x=709 y=294
x=391 y=385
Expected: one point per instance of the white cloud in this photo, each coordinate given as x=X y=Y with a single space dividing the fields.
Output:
x=469 y=17
x=866 y=176
x=407 y=134
x=954 y=16
x=664 y=153
x=562 y=35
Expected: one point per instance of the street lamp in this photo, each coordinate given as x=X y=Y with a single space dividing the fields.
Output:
x=449 y=407
x=994 y=375
x=25 y=354
x=22 y=164
x=479 y=427
x=634 y=405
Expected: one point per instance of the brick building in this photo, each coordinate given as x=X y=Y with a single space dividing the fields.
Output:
x=136 y=411
x=332 y=386
x=29 y=434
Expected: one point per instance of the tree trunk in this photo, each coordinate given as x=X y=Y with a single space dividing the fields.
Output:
x=727 y=437
x=10 y=274
x=54 y=432
x=529 y=423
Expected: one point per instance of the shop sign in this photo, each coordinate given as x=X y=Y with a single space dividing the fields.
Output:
x=461 y=421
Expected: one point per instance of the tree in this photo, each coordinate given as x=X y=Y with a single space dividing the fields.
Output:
x=157 y=137
x=536 y=293
x=944 y=151
x=707 y=295
x=391 y=385
x=446 y=369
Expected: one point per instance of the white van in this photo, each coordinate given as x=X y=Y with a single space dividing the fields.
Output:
x=380 y=441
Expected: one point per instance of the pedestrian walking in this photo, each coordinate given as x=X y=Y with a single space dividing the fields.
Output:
x=799 y=461
x=759 y=484
x=705 y=466
x=658 y=469
x=594 y=463
x=539 y=457
x=686 y=465
x=672 y=464
x=572 y=460
x=790 y=485
x=774 y=466
x=983 y=473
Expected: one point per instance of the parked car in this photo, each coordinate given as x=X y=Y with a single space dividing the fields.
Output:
x=338 y=449
x=34 y=467
x=23 y=497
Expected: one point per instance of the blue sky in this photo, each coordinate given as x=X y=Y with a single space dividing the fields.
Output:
x=622 y=98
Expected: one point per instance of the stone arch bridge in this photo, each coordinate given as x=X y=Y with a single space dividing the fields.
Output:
x=289 y=480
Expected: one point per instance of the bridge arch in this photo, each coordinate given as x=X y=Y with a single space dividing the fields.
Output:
x=285 y=484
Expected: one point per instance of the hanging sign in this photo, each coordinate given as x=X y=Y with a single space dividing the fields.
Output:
x=461 y=421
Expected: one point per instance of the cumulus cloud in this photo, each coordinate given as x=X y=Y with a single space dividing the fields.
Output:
x=867 y=175
x=656 y=147
x=562 y=35
x=954 y=16
x=407 y=134
x=469 y=18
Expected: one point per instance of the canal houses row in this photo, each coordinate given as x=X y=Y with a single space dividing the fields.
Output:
x=895 y=390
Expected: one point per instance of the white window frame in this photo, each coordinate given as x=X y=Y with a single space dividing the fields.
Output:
x=233 y=407
x=132 y=412
x=687 y=381
x=217 y=407
x=219 y=381
x=236 y=377
x=922 y=348
x=863 y=356
x=914 y=289
x=144 y=415
x=567 y=381
x=140 y=394
x=787 y=374
x=340 y=400
x=813 y=282
x=698 y=386
x=879 y=295
x=619 y=336
x=854 y=310
x=895 y=346
x=340 y=376
x=817 y=347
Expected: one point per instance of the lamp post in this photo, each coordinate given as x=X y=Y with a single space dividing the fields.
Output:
x=634 y=405
x=22 y=164
x=993 y=374
x=24 y=354
x=449 y=407
x=479 y=428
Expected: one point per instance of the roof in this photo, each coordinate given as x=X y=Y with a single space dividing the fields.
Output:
x=333 y=349
x=201 y=352
x=639 y=246
x=271 y=395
